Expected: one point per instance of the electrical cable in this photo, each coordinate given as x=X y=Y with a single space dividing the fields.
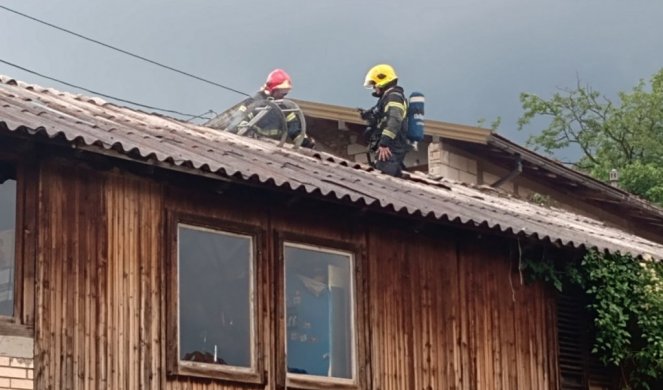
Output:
x=202 y=116
x=193 y=116
x=124 y=51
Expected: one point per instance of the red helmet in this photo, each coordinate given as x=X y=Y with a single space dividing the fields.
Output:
x=277 y=79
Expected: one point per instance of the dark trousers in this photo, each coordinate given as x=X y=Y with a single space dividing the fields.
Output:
x=393 y=165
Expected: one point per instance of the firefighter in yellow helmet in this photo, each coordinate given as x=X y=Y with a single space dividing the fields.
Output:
x=387 y=120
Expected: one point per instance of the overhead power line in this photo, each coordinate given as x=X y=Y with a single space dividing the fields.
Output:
x=202 y=116
x=193 y=116
x=124 y=51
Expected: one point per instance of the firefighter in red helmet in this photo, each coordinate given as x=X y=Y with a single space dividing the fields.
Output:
x=277 y=85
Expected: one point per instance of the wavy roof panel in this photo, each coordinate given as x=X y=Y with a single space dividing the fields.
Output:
x=97 y=125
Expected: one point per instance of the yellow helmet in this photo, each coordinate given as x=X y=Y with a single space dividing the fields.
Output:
x=379 y=76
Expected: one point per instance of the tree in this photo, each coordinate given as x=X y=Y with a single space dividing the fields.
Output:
x=627 y=136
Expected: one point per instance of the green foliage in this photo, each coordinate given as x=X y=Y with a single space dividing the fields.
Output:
x=645 y=180
x=627 y=303
x=543 y=269
x=627 y=136
x=493 y=125
x=541 y=200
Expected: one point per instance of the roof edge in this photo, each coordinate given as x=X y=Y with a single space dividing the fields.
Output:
x=580 y=177
x=433 y=128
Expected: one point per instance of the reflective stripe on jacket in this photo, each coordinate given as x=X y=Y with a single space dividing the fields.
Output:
x=392 y=121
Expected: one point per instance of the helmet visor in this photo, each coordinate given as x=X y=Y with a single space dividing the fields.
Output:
x=280 y=93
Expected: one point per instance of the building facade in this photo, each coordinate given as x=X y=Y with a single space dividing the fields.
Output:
x=146 y=253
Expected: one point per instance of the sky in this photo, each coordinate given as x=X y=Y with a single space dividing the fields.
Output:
x=471 y=58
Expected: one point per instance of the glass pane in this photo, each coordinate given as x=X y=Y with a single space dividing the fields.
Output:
x=7 y=261
x=319 y=312
x=215 y=282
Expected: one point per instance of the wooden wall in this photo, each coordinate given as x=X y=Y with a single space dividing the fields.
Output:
x=99 y=287
x=440 y=311
x=448 y=313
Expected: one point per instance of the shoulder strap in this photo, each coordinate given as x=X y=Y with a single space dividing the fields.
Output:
x=385 y=98
x=395 y=91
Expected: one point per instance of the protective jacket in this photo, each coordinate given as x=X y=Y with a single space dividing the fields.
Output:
x=392 y=120
x=269 y=126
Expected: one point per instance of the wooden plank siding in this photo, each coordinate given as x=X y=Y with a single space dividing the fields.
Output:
x=444 y=315
x=434 y=311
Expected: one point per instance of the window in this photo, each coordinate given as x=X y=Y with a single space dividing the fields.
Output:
x=215 y=303
x=229 y=292
x=7 y=239
x=578 y=367
x=319 y=314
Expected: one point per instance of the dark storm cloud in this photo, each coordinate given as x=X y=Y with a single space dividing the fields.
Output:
x=470 y=58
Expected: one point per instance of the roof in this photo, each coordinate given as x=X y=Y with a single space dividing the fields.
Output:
x=101 y=127
x=581 y=186
x=483 y=142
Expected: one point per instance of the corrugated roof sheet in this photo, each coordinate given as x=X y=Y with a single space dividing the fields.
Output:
x=86 y=121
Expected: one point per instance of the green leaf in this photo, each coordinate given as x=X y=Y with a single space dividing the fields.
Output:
x=626 y=136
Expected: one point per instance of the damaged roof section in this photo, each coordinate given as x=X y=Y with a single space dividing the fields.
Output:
x=103 y=127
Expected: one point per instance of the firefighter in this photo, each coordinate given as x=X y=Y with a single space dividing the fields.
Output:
x=389 y=141
x=276 y=87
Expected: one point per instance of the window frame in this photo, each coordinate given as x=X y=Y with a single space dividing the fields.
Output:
x=21 y=323
x=359 y=337
x=177 y=367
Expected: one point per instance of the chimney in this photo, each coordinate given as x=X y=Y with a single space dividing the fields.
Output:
x=446 y=161
x=614 y=178
x=436 y=161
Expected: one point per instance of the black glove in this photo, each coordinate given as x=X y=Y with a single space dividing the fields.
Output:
x=308 y=142
x=367 y=115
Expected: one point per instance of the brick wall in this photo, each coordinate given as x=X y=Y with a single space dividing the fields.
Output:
x=449 y=163
x=16 y=373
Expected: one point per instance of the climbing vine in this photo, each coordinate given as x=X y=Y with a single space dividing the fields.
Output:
x=543 y=269
x=626 y=303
